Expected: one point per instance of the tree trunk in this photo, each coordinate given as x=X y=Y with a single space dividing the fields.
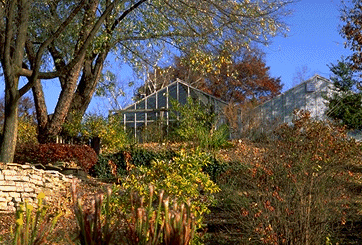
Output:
x=11 y=60
x=49 y=128
x=10 y=129
x=41 y=109
x=87 y=85
x=54 y=124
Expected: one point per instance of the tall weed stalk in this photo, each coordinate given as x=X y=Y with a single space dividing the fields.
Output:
x=149 y=224
x=34 y=229
x=94 y=228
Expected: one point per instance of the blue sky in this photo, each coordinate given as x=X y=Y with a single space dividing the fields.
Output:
x=313 y=41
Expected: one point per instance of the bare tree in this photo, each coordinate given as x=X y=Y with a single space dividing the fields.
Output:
x=301 y=74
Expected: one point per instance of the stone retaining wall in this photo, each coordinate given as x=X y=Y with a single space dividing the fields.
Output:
x=20 y=183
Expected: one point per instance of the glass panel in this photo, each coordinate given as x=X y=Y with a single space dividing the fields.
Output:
x=151 y=116
x=129 y=116
x=172 y=90
x=162 y=98
x=141 y=104
x=204 y=99
x=130 y=132
x=193 y=94
x=182 y=94
x=140 y=116
x=140 y=124
x=220 y=106
x=151 y=102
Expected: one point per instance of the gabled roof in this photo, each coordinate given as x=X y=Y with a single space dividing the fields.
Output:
x=170 y=90
x=300 y=85
x=157 y=107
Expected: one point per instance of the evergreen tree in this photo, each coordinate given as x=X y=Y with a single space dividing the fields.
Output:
x=345 y=103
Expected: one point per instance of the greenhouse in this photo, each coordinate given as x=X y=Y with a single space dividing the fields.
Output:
x=149 y=119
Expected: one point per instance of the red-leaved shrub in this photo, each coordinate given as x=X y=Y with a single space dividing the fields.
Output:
x=83 y=155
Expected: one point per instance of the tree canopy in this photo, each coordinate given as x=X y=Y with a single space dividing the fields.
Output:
x=345 y=104
x=351 y=30
x=233 y=77
x=70 y=39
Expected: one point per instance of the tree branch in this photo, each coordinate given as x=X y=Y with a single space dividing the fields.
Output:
x=47 y=42
x=9 y=35
x=125 y=13
x=35 y=73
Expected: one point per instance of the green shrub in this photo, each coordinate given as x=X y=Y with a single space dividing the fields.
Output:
x=154 y=131
x=110 y=130
x=181 y=178
x=144 y=157
x=127 y=157
x=103 y=169
x=214 y=139
x=111 y=167
x=198 y=124
x=215 y=168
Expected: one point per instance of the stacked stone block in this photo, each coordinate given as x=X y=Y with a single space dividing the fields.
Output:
x=20 y=183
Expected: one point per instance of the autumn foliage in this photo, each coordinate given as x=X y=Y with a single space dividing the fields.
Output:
x=295 y=189
x=83 y=155
x=231 y=76
x=352 y=31
x=239 y=78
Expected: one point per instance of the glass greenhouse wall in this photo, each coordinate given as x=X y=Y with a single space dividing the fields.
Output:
x=308 y=95
x=154 y=112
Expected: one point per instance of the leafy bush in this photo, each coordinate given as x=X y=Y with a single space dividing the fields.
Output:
x=154 y=131
x=27 y=130
x=297 y=191
x=109 y=129
x=215 y=168
x=144 y=157
x=126 y=158
x=83 y=155
x=198 y=124
x=103 y=169
x=181 y=178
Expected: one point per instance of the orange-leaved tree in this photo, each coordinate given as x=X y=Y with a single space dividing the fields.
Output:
x=238 y=76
